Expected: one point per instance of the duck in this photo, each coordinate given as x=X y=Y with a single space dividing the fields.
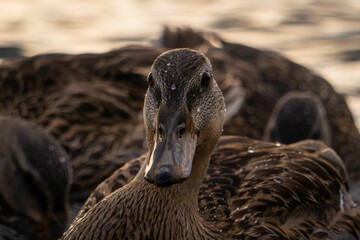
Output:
x=35 y=178
x=264 y=76
x=245 y=189
x=92 y=103
x=298 y=116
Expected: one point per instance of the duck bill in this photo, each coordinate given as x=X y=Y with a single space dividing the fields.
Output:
x=170 y=160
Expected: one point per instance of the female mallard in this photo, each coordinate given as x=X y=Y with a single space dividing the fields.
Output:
x=92 y=103
x=252 y=190
x=34 y=182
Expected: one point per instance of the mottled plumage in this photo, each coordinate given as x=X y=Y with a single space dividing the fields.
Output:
x=269 y=187
x=92 y=103
x=264 y=77
x=35 y=177
x=250 y=189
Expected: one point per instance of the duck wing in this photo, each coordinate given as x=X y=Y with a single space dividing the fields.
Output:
x=118 y=179
x=262 y=189
x=259 y=189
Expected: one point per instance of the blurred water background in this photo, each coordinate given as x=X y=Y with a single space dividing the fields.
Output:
x=323 y=35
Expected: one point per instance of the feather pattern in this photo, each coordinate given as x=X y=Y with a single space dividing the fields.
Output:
x=245 y=189
x=63 y=92
x=265 y=190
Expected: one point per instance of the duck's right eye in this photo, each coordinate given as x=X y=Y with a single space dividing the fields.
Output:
x=150 y=78
x=160 y=130
x=205 y=79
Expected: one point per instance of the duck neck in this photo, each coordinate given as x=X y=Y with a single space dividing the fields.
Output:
x=199 y=169
x=179 y=202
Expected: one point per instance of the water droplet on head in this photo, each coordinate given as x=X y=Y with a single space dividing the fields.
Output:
x=168 y=64
x=198 y=109
x=278 y=144
x=173 y=86
x=172 y=75
x=251 y=149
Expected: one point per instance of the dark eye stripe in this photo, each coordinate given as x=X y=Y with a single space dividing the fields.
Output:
x=205 y=79
x=150 y=78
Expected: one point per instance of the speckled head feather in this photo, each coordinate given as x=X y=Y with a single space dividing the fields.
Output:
x=182 y=100
x=177 y=81
x=175 y=72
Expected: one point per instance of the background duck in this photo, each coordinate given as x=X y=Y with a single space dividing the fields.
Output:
x=35 y=178
x=252 y=189
x=92 y=110
x=298 y=116
x=71 y=95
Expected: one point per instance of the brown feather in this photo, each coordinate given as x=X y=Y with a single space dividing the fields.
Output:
x=92 y=102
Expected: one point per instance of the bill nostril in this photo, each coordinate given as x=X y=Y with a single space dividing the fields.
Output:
x=163 y=178
x=160 y=130
x=181 y=131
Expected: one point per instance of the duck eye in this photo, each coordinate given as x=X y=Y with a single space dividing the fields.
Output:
x=150 y=78
x=160 y=130
x=205 y=79
x=181 y=131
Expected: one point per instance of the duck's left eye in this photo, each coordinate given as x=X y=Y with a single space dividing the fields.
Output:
x=205 y=79
x=150 y=78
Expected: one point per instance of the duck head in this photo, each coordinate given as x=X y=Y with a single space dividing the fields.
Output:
x=183 y=115
x=298 y=116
